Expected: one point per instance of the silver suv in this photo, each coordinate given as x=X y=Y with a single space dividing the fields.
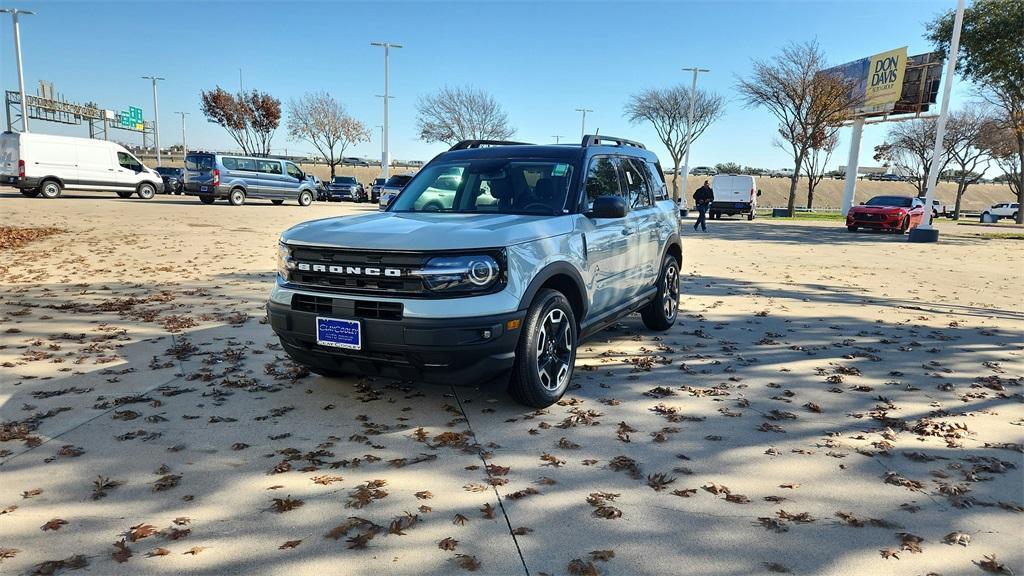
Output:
x=495 y=260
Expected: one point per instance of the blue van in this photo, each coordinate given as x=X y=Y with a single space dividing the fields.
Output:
x=211 y=175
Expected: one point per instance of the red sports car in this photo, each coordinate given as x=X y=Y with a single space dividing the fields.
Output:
x=892 y=213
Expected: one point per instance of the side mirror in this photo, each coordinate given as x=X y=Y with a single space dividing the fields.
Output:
x=758 y=192
x=862 y=203
x=609 y=207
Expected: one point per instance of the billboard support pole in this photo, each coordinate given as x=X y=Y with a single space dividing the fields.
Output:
x=926 y=232
x=850 y=188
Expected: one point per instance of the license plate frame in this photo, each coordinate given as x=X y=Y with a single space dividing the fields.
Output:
x=204 y=188
x=339 y=333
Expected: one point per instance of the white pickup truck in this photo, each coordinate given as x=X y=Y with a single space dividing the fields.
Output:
x=1001 y=210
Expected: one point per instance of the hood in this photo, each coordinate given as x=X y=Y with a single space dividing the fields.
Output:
x=874 y=209
x=426 y=231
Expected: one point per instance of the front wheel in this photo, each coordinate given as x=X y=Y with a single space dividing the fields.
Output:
x=277 y=202
x=851 y=228
x=905 y=225
x=546 y=351
x=237 y=197
x=661 y=313
x=305 y=198
x=146 y=191
x=30 y=193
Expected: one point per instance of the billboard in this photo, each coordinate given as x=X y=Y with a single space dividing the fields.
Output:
x=876 y=81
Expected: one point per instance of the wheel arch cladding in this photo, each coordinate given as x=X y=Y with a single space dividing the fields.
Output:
x=560 y=276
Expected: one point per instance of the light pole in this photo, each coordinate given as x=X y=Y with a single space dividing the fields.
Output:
x=381 y=126
x=689 y=121
x=926 y=232
x=184 y=143
x=156 y=116
x=14 y=12
x=385 y=160
x=583 y=122
x=557 y=137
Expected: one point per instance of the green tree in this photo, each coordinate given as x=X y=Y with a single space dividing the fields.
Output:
x=992 y=56
x=729 y=168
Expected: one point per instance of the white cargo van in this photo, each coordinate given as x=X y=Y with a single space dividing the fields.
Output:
x=734 y=194
x=43 y=164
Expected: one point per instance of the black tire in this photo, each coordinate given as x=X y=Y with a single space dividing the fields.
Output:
x=935 y=215
x=30 y=193
x=236 y=197
x=661 y=313
x=305 y=198
x=1015 y=214
x=124 y=193
x=543 y=366
x=433 y=207
x=146 y=191
x=50 y=189
x=208 y=199
x=904 y=226
x=750 y=215
x=277 y=202
x=851 y=228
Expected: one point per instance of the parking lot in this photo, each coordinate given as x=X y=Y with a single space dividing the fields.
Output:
x=829 y=403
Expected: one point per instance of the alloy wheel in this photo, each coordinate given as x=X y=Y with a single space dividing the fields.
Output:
x=554 y=350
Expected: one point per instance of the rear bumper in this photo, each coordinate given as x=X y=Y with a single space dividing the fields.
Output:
x=458 y=351
x=194 y=189
x=731 y=207
x=21 y=182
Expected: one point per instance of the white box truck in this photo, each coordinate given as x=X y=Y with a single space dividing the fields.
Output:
x=45 y=165
x=734 y=194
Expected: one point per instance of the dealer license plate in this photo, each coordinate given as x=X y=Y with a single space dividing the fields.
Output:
x=339 y=333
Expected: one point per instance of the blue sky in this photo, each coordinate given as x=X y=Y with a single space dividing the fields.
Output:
x=540 y=60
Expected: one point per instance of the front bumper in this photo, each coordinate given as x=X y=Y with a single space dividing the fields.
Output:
x=458 y=351
x=887 y=223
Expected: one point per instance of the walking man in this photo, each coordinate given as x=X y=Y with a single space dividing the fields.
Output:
x=703 y=198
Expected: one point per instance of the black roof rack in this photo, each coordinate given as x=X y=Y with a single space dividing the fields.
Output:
x=599 y=140
x=467 y=144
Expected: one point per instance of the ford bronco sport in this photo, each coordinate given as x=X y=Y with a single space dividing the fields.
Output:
x=497 y=259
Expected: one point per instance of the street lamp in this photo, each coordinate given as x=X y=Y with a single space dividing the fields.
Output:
x=385 y=159
x=156 y=116
x=583 y=123
x=184 y=145
x=689 y=120
x=14 y=12
x=557 y=137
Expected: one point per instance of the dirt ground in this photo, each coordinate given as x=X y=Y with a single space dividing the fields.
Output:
x=828 y=403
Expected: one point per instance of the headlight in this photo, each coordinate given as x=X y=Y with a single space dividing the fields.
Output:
x=285 y=263
x=472 y=273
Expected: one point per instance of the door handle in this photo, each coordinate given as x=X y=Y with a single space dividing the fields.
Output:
x=627 y=232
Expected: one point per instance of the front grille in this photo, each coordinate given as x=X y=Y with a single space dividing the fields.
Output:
x=345 y=308
x=871 y=217
x=403 y=285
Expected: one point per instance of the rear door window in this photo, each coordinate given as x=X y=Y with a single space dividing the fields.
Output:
x=637 y=189
x=197 y=162
x=657 y=181
x=268 y=166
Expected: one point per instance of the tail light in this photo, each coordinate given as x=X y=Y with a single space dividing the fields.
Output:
x=216 y=177
x=752 y=193
x=21 y=168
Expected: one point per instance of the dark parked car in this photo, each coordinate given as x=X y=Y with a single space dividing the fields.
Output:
x=375 y=187
x=346 y=188
x=174 y=179
x=391 y=188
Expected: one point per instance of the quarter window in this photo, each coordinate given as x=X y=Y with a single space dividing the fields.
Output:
x=268 y=166
x=602 y=179
x=657 y=181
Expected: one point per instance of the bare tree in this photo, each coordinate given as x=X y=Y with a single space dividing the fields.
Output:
x=319 y=119
x=454 y=114
x=1001 y=143
x=966 y=131
x=816 y=161
x=909 y=146
x=666 y=109
x=250 y=118
x=806 y=101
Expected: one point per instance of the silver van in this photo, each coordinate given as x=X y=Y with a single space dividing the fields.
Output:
x=211 y=175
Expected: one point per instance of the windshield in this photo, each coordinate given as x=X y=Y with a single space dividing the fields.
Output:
x=397 y=181
x=900 y=201
x=488 y=185
x=344 y=180
x=199 y=162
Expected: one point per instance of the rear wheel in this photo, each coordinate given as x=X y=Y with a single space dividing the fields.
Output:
x=305 y=198
x=30 y=193
x=750 y=215
x=237 y=197
x=50 y=189
x=661 y=313
x=146 y=191
x=208 y=199
x=124 y=193
x=851 y=228
x=546 y=351
x=277 y=202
